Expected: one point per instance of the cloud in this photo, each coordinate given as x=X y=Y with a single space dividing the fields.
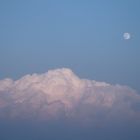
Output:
x=60 y=94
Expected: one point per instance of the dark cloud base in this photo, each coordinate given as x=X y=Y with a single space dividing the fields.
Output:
x=25 y=130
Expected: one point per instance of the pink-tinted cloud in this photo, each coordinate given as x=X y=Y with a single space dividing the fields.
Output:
x=61 y=94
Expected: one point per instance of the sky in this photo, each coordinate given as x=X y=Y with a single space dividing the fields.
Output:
x=85 y=36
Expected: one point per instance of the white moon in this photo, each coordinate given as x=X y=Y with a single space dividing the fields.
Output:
x=126 y=36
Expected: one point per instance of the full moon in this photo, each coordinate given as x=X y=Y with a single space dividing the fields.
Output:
x=126 y=36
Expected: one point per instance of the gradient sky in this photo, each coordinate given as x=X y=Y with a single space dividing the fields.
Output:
x=84 y=35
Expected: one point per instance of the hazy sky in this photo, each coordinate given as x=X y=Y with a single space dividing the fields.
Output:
x=84 y=35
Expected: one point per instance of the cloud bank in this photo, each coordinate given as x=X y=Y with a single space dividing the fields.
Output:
x=60 y=94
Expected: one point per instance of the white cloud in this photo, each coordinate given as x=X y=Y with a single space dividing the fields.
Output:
x=61 y=94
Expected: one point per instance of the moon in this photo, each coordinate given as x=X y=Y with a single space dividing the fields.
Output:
x=126 y=36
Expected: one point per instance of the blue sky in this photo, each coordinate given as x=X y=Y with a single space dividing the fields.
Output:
x=84 y=35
